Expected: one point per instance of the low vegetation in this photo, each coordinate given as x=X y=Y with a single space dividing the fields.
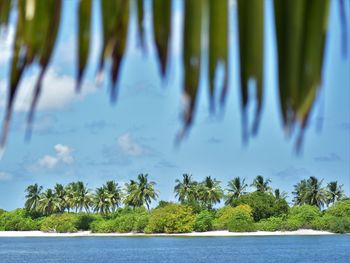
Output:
x=111 y=209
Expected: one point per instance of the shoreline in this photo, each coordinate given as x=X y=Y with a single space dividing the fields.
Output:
x=224 y=233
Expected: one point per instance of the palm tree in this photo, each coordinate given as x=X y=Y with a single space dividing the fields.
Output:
x=236 y=188
x=186 y=189
x=70 y=190
x=261 y=184
x=300 y=193
x=32 y=197
x=140 y=192
x=316 y=195
x=102 y=201
x=113 y=191
x=310 y=192
x=49 y=203
x=210 y=192
x=82 y=197
x=131 y=199
x=280 y=195
x=334 y=192
x=60 y=193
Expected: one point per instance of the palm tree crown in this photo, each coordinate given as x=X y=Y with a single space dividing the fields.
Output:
x=334 y=192
x=101 y=201
x=210 y=192
x=261 y=184
x=114 y=194
x=310 y=192
x=49 y=203
x=236 y=188
x=60 y=193
x=32 y=196
x=140 y=192
x=185 y=190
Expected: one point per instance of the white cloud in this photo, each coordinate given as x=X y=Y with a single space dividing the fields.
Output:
x=5 y=176
x=128 y=146
x=63 y=153
x=57 y=92
x=63 y=156
x=48 y=161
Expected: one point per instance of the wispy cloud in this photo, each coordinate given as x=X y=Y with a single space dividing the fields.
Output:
x=129 y=146
x=165 y=164
x=4 y=176
x=96 y=126
x=58 y=92
x=332 y=157
x=214 y=140
x=124 y=151
x=63 y=155
x=293 y=173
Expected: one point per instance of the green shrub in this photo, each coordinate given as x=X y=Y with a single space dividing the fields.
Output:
x=303 y=216
x=203 y=221
x=123 y=220
x=172 y=218
x=270 y=224
x=104 y=226
x=241 y=220
x=333 y=224
x=60 y=223
x=322 y=222
x=125 y=223
x=224 y=215
x=141 y=222
x=84 y=220
x=340 y=209
x=2 y=211
x=18 y=220
x=339 y=225
x=291 y=224
x=163 y=203
x=264 y=205
x=132 y=220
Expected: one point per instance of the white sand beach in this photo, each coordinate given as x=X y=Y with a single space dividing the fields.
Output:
x=300 y=232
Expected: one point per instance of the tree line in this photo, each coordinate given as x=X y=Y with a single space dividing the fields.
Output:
x=77 y=197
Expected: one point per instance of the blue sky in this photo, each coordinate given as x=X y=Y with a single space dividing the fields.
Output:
x=84 y=137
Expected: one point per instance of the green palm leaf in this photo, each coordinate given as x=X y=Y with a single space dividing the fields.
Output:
x=251 y=40
x=5 y=6
x=218 y=44
x=140 y=22
x=115 y=18
x=301 y=29
x=191 y=57
x=84 y=32
x=162 y=30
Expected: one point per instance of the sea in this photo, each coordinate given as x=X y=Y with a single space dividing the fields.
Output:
x=304 y=249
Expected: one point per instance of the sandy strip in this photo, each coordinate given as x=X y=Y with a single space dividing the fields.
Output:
x=300 y=232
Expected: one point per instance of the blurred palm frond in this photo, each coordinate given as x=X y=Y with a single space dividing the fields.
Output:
x=301 y=28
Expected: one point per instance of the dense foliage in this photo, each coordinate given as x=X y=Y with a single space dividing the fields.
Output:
x=241 y=220
x=204 y=221
x=18 y=220
x=75 y=208
x=173 y=218
x=264 y=205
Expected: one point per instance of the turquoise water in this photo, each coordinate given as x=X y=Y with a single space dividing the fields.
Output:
x=177 y=249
